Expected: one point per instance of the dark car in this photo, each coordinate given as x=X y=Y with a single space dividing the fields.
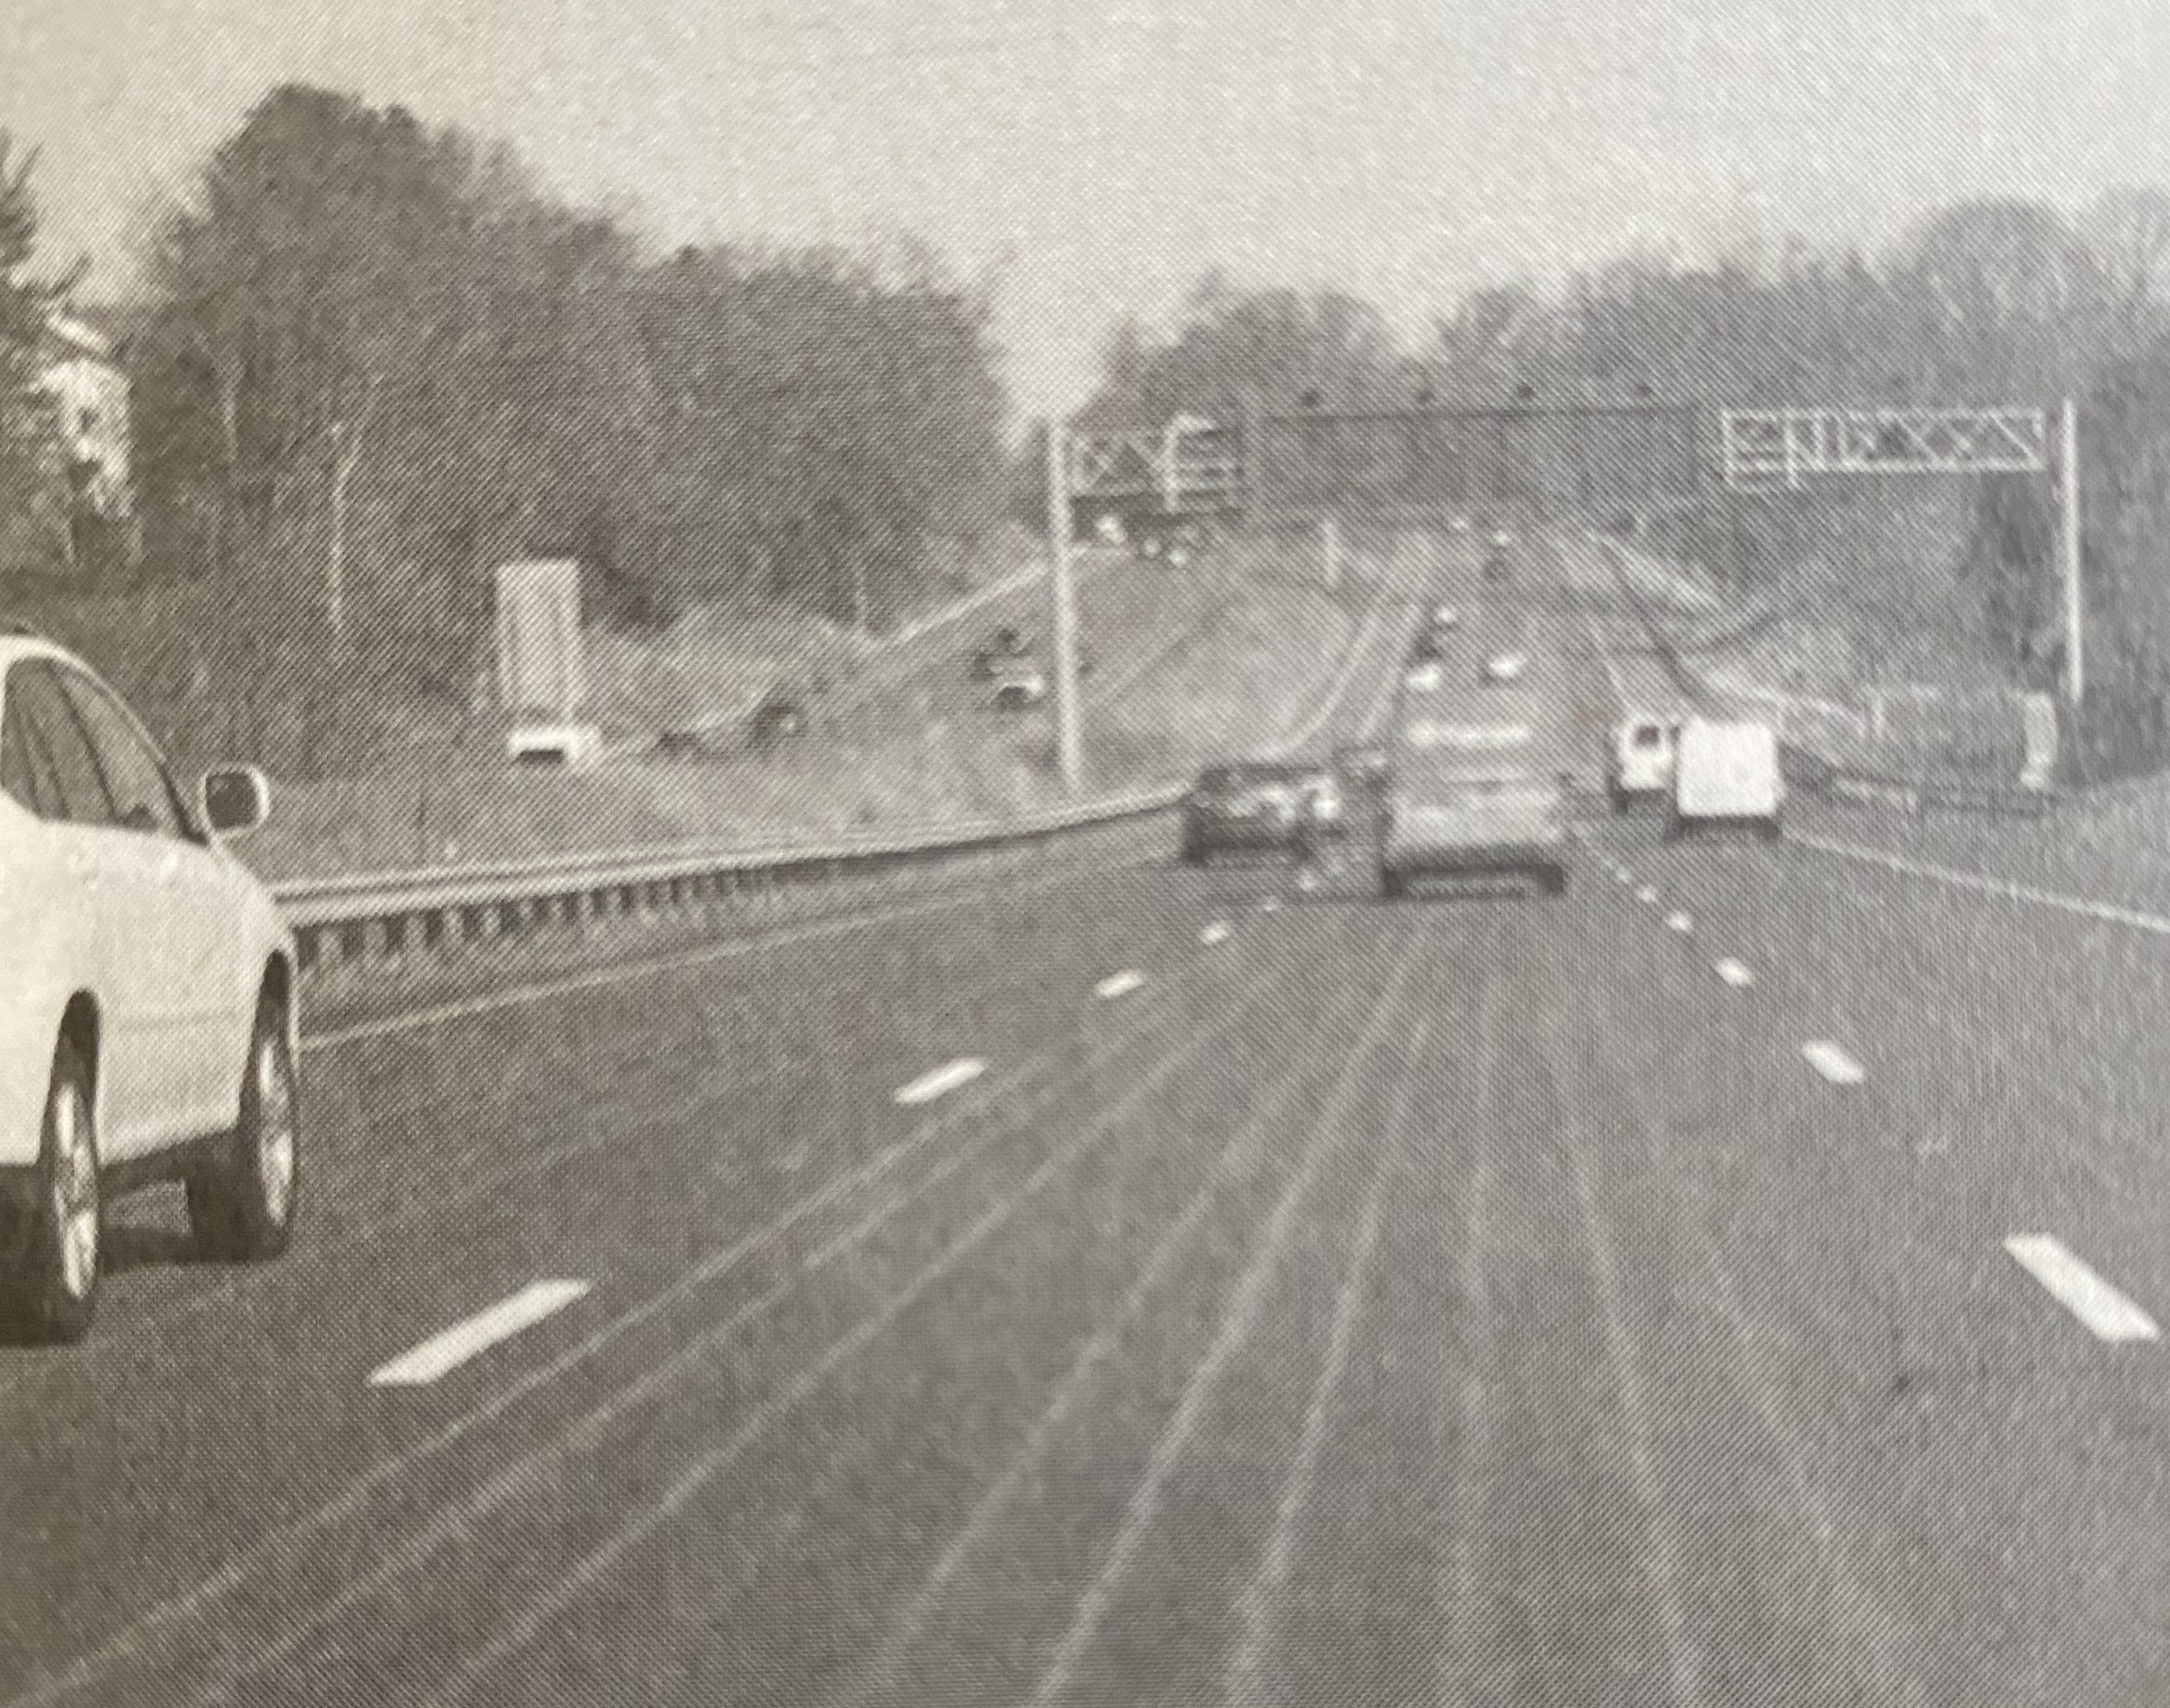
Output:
x=1005 y=643
x=777 y=718
x=1260 y=809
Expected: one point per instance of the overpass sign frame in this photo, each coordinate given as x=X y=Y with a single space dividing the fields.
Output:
x=1766 y=450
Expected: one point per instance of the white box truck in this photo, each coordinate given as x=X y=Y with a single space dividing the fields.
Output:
x=1727 y=771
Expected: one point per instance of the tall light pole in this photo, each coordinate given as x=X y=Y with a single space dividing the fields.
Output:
x=1063 y=598
x=2068 y=544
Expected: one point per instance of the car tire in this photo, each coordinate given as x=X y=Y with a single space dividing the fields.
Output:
x=53 y=1251
x=1618 y=798
x=242 y=1201
x=1676 y=826
x=1392 y=885
x=1553 y=880
x=1771 y=830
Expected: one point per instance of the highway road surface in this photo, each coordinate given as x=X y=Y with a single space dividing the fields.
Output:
x=1735 y=1281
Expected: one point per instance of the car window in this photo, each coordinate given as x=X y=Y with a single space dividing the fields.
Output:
x=55 y=733
x=26 y=770
x=143 y=795
x=1648 y=735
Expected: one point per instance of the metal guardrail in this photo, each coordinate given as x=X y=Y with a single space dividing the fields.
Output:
x=384 y=916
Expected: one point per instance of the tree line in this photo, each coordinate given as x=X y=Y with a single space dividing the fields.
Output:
x=1990 y=301
x=374 y=358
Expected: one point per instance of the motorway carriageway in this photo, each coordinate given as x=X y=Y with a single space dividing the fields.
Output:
x=1735 y=1281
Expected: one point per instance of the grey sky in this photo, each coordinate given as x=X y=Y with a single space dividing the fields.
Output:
x=1103 y=152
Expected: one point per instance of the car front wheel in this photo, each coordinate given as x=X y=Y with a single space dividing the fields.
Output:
x=241 y=1203
x=52 y=1252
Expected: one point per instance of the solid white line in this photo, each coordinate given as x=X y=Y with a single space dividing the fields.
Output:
x=1215 y=932
x=445 y=1353
x=1117 y=984
x=947 y=1077
x=1735 y=973
x=1234 y=1333
x=1833 y=1062
x=1679 y=922
x=2107 y=1314
x=2003 y=888
x=1647 y=896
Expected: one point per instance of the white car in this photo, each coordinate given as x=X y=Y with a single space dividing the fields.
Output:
x=1727 y=771
x=1504 y=668
x=147 y=1031
x=1642 y=763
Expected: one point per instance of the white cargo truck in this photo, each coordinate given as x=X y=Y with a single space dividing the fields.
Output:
x=1727 y=771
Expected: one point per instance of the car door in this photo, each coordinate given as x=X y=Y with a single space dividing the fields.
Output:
x=143 y=1073
x=191 y=944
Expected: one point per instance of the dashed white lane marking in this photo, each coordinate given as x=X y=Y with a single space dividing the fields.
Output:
x=1733 y=973
x=1215 y=932
x=1833 y=1062
x=1680 y=922
x=1647 y=895
x=1117 y=984
x=443 y=1353
x=1272 y=904
x=2004 y=888
x=947 y=1077
x=1620 y=875
x=2106 y=1314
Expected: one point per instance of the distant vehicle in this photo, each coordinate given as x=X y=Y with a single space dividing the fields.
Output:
x=1467 y=799
x=148 y=1032
x=1363 y=764
x=777 y=718
x=1642 y=760
x=1018 y=683
x=1006 y=642
x=1727 y=771
x=1248 y=808
x=1505 y=667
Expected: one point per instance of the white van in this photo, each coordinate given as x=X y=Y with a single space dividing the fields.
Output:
x=1726 y=773
x=1642 y=759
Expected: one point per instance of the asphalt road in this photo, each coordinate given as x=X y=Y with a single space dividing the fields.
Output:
x=1281 y=1297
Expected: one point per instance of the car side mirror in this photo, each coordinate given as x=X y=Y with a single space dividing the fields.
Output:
x=236 y=799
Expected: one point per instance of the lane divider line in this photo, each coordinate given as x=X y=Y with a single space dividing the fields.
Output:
x=442 y=1353
x=1215 y=931
x=1647 y=895
x=2105 y=1312
x=1117 y=984
x=943 y=1079
x=1735 y=973
x=1271 y=904
x=1833 y=1062
x=1680 y=922
x=2005 y=889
